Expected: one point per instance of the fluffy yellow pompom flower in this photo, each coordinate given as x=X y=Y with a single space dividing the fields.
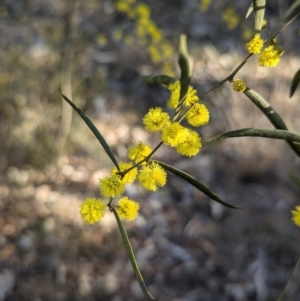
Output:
x=255 y=45
x=191 y=96
x=152 y=176
x=139 y=152
x=198 y=115
x=155 y=119
x=129 y=176
x=191 y=144
x=270 y=57
x=128 y=209
x=111 y=186
x=296 y=216
x=239 y=85
x=175 y=94
x=92 y=210
x=173 y=134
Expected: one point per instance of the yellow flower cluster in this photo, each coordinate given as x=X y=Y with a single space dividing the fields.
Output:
x=270 y=57
x=231 y=17
x=186 y=141
x=255 y=45
x=296 y=216
x=148 y=33
x=92 y=210
x=190 y=99
x=239 y=85
x=128 y=209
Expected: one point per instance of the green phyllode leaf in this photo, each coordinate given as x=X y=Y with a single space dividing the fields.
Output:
x=294 y=179
x=128 y=247
x=162 y=79
x=290 y=277
x=272 y=115
x=188 y=178
x=256 y=132
x=95 y=131
x=259 y=14
x=295 y=82
x=185 y=68
x=292 y=12
x=249 y=11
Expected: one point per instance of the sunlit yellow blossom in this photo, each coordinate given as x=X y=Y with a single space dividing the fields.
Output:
x=143 y=10
x=270 y=57
x=198 y=115
x=191 y=145
x=154 y=53
x=155 y=119
x=175 y=94
x=102 y=39
x=231 y=17
x=128 y=209
x=139 y=152
x=92 y=210
x=152 y=176
x=167 y=49
x=122 y=6
x=173 y=134
x=296 y=216
x=239 y=85
x=204 y=5
x=154 y=32
x=111 y=186
x=129 y=176
x=255 y=45
x=191 y=96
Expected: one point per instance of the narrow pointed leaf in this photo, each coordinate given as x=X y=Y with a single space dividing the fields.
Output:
x=249 y=11
x=272 y=115
x=292 y=12
x=294 y=179
x=162 y=79
x=256 y=132
x=259 y=14
x=188 y=178
x=95 y=131
x=129 y=250
x=295 y=82
x=284 y=289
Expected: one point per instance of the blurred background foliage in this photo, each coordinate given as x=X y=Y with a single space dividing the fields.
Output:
x=102 y=47
x=99 y=53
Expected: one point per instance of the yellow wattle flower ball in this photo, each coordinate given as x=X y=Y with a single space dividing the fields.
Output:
x=198 y=115
x=296 y=216
x=175 y=94
x=139 y=152
x=173 y=134
x=155 y=119
x=270 y=57
x=191 y=144
x=152 y=176
x=255 y=45
x=128 y=209
x=92 y=210
x=239 y=85
x=190 y=98
x=129 y=176
x=111 y=186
